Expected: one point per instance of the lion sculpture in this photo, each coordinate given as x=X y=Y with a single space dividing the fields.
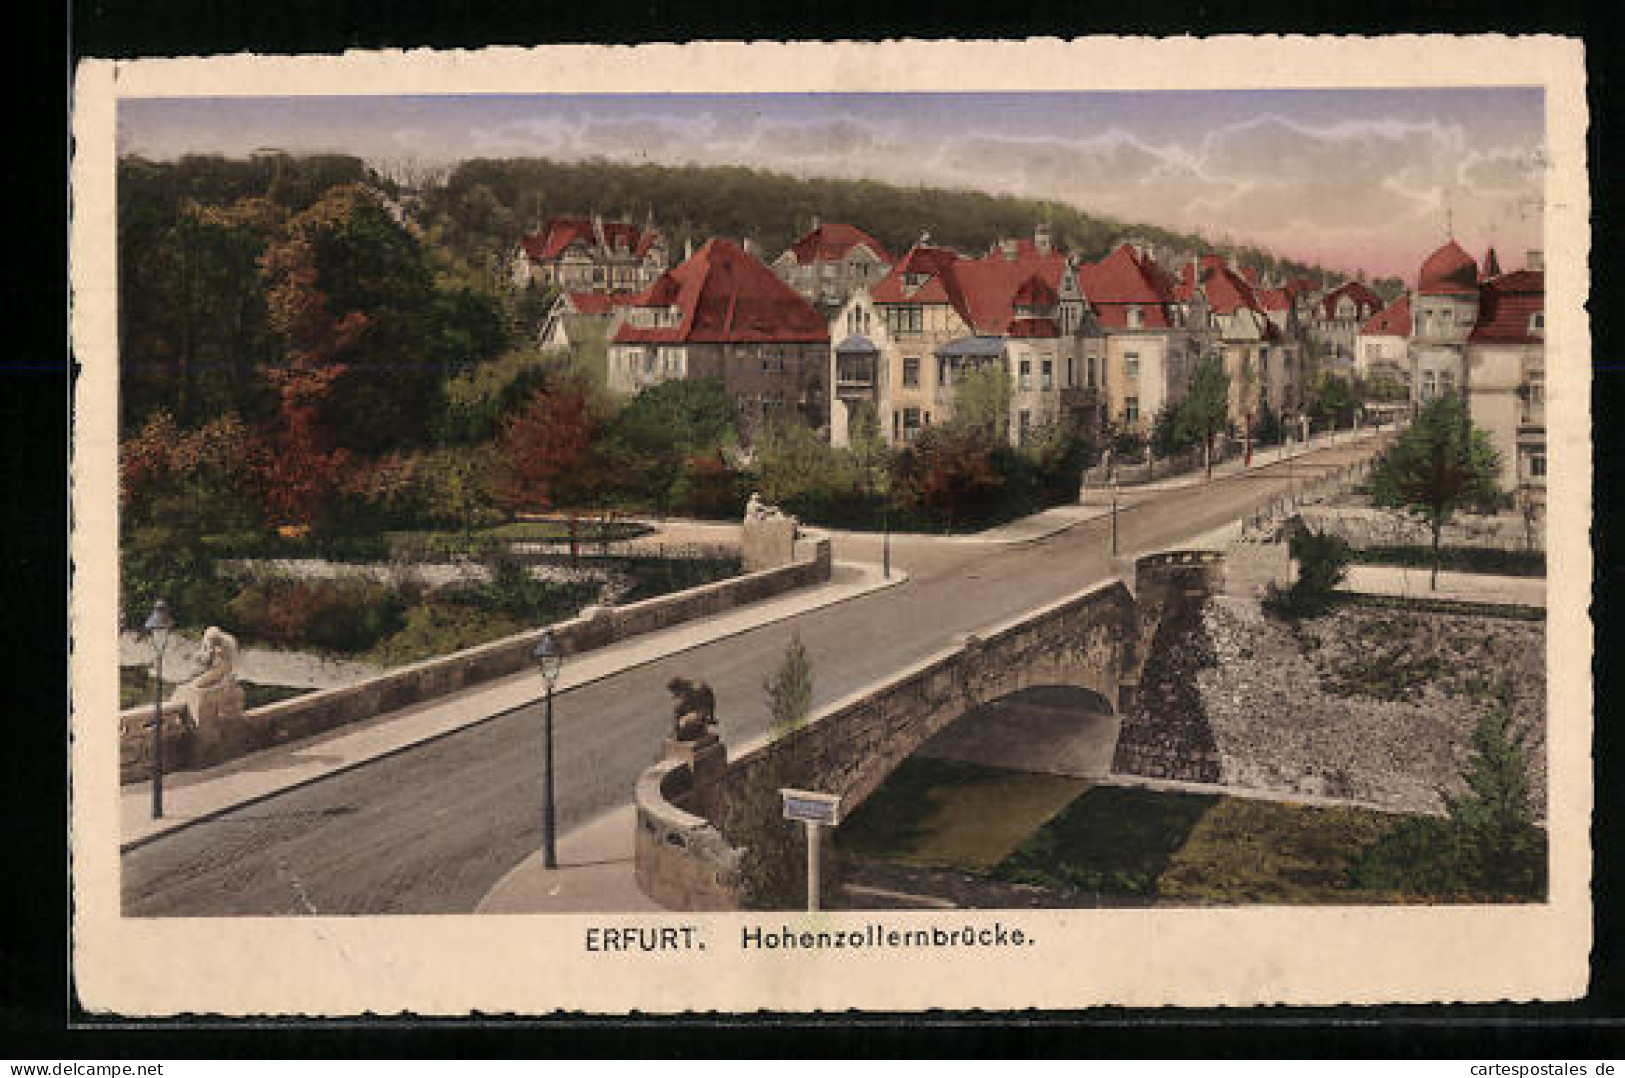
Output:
x=694 y=709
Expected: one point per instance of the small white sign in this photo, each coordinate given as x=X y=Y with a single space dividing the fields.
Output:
x=809 y=806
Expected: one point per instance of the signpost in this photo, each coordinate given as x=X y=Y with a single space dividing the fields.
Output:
x=814 y=810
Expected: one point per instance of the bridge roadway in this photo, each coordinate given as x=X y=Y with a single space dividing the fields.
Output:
x=431 y=829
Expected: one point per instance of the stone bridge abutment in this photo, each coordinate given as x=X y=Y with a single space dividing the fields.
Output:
x=1096 y=640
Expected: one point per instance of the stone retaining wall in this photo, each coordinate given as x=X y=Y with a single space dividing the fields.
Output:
x=313 y=713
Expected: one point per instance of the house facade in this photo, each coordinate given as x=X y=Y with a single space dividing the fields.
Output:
x=1146 y=350
x=723 y=314
x=1505 y=361
x=590 y=254
x=1382 y=347
x=831 y=262
x=1337 y=315
x=938 y=315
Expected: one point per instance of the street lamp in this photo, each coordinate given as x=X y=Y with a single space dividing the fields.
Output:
x=157 y=627
x=549 y=660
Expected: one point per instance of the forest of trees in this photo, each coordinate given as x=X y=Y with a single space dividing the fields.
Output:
x=486 y=205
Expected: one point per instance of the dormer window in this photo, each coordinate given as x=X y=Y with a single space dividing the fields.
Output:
x=915 y=280
x=1537 y=324
x=1135 y=318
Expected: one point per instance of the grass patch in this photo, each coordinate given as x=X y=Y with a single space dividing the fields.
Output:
x=1510 y=611
x=1463 y=559
x=1112 y=839
x=944 y=813
x=1260 y=851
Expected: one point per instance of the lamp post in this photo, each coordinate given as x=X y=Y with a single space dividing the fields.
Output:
x=549 y=660
x=157 y=627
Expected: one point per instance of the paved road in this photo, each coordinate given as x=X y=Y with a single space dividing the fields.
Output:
x=431 y=829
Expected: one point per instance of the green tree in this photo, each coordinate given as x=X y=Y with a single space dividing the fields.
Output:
x=1335 y=400
x=1488 y=843
x=1322 y=565
x=1206 y=406
x=982 y=401
x=774 y=864
x=1440 y=464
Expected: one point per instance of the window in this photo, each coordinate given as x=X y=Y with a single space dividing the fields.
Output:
x=1046 y=374
x=911 y=371
x=1131 y=410
x=1026 y=379
x=1091 y=372
x=1537 y=323
x=1430 y=387
x=1537 y=465
x=945 y=371
x=1071 y=372
x=911 y=424
x=1131 y=366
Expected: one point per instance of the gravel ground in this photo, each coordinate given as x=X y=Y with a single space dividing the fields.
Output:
x=1371 y=704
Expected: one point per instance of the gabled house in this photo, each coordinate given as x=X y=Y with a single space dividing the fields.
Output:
x=1224 y=313
x=907 y=343
x=590 y=254
x=724 y=314
x=1444 y=310
x=577 y=317
x=1147 y=352
x=831 y=262
x=1381 y=348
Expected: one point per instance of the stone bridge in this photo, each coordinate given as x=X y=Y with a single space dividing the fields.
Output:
x=1096 y=640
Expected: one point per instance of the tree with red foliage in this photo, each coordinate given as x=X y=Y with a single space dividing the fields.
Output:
x=549 y=456
x=304 y=468
x=953 y=471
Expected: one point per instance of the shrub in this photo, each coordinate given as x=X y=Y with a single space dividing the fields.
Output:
x=347 y=616
x=1461 y=559
x=1322 y=565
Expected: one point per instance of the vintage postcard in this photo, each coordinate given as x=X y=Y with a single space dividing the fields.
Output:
x=877 y=526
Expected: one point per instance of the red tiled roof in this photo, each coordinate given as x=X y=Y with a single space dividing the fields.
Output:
x=830 y=243
x=1274 y=299
x=1123 y=279
x=561 y=232
x=599 y=302
x=1506 y=306
x=726 y=296
x=984 y=292
x=1395 y=321
x=1449 y=271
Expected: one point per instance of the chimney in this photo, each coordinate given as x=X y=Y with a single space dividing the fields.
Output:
x=1535 y=260
x=1010 y=248
x=688 y=248
x=816 y=224
x=1041 y=239
x=751 y=248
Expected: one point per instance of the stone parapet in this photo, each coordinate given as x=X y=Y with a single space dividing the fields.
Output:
x=680 y=859
x=313 y=713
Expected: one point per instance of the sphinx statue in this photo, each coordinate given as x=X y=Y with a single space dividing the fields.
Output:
x=693 y=710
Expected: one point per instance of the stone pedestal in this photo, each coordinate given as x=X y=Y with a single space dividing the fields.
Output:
x=768 y=543
x=707 y=761
x=216 y=714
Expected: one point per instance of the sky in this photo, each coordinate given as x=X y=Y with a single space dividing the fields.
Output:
x=1353 y=179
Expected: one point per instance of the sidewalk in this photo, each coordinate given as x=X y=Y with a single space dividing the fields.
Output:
x=1263 y=457
x=194 y=796
x=1453 y=586
x=595 y=873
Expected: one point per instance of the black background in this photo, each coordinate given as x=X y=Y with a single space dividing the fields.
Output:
x=38 y=1015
